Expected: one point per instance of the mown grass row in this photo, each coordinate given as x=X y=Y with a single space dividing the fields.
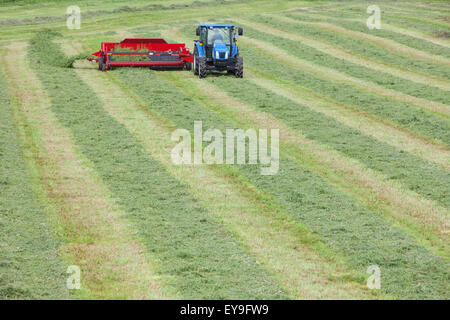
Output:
x=97 y=238
x=412 y=42
x=361 y=47
x=363 y=236
x=416 y=174
x=430 y=9
x=305 y=266
x=414 y=21
x=125 y=19
x=436 y=26
x=197 y=257
x=379 y=83
x=30 y=265
x=103 y=10
x=416 y=119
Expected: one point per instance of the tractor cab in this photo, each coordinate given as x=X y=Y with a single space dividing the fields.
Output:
x=217 y=49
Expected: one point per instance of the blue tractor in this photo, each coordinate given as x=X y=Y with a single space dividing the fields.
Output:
x=217 y=49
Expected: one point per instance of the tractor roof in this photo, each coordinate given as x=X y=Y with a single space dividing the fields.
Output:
x=216 y=25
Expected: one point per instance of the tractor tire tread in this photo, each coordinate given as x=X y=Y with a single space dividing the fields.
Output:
x=239 y=67
x=202 y=71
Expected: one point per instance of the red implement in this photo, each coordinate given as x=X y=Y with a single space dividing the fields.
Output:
x=160 y=54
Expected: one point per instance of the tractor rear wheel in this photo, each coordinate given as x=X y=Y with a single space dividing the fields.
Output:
x=239 y=67
x=201 y=65
x=188 y=66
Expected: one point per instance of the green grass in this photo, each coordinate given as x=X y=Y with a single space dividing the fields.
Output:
x=297 y=49
x=416 y=119
x=122 y=20
x=363 y=236
x=304 y=52
x=30 y=265
x=100 y=10
x=198 y=258
x=382 y=33
x=362 y=47
x=399 y=18
x=199 y=255
x=416 y=174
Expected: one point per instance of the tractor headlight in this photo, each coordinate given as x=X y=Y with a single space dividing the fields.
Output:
x=217 y=54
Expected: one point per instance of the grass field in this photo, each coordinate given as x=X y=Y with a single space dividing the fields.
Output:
x=87 y=179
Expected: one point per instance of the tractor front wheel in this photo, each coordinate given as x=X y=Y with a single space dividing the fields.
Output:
x=201 y=65
x=239 y=67
x=195 y=66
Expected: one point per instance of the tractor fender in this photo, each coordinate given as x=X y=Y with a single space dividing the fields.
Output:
x=200 y=49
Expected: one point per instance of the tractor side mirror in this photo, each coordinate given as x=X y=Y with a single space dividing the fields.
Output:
x=197 y=32
x=240 y=31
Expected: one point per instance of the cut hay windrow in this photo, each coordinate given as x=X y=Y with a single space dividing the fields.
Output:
x=120 y=21
x=410 y=35
x=93 y=229
x=388 y=46
x=367 y=124
x=198 y=258
x=363 y=236
x=121 y=9
x=380 y=128
x=407 y=37
x=399 y=18
x=348 y=56
x=416 y=174
x=89 y=176
x=420 y=121
x=337 y=76
x=395 y=164
x=425 y=221
x=408 y=59
x=56 y=59
x=405 y=13
x=296 y=258
x=403 y=115
x=30 y=265
x=413 y=38
x=429 y=9
x=316 y=57
x=429 y=180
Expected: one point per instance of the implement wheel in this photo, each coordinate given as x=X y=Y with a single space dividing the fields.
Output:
x=100 y=64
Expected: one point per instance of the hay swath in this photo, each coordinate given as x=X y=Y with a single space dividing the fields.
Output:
x=156 y=52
